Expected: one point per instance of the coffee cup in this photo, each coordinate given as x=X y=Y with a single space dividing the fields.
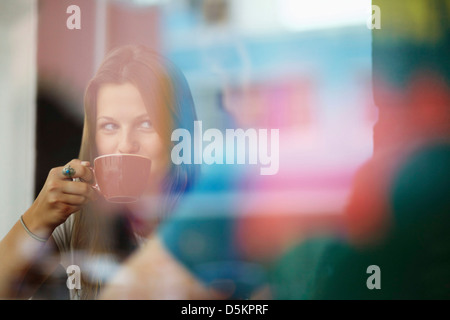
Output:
x=121 y=178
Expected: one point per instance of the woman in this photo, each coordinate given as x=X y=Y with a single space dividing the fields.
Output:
x=132 y=105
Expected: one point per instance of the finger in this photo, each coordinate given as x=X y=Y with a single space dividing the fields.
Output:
x=79 y=188
x=87 y=173
x=73 y=200
x=81 y=170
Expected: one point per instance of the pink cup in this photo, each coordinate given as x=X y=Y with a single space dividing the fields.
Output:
x=121 y=178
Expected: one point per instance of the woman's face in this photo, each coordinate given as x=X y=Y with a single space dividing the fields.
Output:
x=123 y=125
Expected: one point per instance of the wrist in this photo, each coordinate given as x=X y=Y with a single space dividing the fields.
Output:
x=35 y=225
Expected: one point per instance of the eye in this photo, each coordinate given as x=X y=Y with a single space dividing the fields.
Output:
x=109 y=126
x=146 y=124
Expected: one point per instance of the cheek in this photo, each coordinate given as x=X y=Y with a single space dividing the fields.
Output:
x=104 y=144
x=158 y=153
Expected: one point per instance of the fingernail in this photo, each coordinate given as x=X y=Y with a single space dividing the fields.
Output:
x=85 y=163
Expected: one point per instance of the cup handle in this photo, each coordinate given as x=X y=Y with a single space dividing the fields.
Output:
x=95 y=185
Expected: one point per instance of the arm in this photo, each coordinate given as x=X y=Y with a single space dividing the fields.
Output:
x=19 y=251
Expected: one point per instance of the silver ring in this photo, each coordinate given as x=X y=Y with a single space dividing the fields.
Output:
x=68 y=171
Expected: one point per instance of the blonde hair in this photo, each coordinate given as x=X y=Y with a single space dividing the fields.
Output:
x=168 y=100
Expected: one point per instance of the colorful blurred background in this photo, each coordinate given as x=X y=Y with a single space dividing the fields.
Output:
x=352 y=103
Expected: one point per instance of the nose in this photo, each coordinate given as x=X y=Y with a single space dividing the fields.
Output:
x=128 y=143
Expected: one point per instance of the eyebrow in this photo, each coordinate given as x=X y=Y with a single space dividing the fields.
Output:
x=105 y=118
x=142 y=116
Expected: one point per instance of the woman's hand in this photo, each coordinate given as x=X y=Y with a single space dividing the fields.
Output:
x=60 y=197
